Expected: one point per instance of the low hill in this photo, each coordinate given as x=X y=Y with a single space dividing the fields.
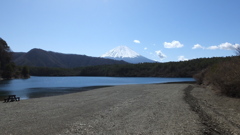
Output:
x=42 y=58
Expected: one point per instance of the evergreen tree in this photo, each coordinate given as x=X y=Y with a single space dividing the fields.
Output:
x=8 y=69
x=8 y=72
x=5 y=54
x=25 y=72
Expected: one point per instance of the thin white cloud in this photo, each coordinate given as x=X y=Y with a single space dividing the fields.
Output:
x=145 y=48
x=136 y=41
x=161 y=55
x=182 y=58
x=197 y=46
x=173 y=44
x=224 y=46
x=214 y=47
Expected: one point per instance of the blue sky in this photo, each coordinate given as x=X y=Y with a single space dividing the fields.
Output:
x=162 y=30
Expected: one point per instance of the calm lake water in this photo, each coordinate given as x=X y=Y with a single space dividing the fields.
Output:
x=35 y=87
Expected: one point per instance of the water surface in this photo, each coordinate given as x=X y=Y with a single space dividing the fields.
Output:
x=35 y=87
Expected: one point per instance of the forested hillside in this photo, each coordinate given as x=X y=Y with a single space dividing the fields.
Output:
x=42 y=58
x=169 y=69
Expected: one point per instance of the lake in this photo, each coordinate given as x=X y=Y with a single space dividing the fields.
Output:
x=36 y=87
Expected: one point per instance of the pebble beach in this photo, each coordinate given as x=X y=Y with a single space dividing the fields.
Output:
x=147 y=109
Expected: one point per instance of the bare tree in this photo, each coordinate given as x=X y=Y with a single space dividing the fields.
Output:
x=237 y=51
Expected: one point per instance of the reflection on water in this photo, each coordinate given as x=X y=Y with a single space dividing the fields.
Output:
x=49 y=86
x=46 y=92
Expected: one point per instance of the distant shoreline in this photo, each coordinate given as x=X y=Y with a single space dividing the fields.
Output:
x=184 y=82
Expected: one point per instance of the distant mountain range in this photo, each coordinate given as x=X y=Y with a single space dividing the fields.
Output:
x=126 y=54
x=42 y=58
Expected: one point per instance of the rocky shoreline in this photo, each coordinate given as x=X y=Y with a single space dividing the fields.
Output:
x=176 y=108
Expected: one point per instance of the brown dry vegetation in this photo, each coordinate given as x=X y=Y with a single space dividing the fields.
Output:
x=224 y=76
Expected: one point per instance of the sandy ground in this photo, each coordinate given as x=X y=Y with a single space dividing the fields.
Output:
x=151 y=109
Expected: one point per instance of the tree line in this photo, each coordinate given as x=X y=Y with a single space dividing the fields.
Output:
x=169 y=69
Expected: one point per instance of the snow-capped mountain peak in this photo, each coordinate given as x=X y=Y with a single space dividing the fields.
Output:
x=126 y=54
x=121 y=52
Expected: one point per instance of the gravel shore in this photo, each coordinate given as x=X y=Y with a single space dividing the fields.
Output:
x=148 y=109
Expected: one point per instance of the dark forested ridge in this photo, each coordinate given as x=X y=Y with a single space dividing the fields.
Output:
x=169 y=69
x=42 y=58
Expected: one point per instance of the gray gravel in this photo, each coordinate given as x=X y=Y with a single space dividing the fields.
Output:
x=219 y=113
x=150 y=109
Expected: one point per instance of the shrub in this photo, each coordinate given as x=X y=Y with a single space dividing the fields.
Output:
x=199 y=77
x=225 y=76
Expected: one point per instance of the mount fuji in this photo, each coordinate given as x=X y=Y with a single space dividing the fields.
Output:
x=126 y=54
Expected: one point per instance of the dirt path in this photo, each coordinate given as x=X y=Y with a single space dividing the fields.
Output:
x=219 y=114
x=131 y=109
